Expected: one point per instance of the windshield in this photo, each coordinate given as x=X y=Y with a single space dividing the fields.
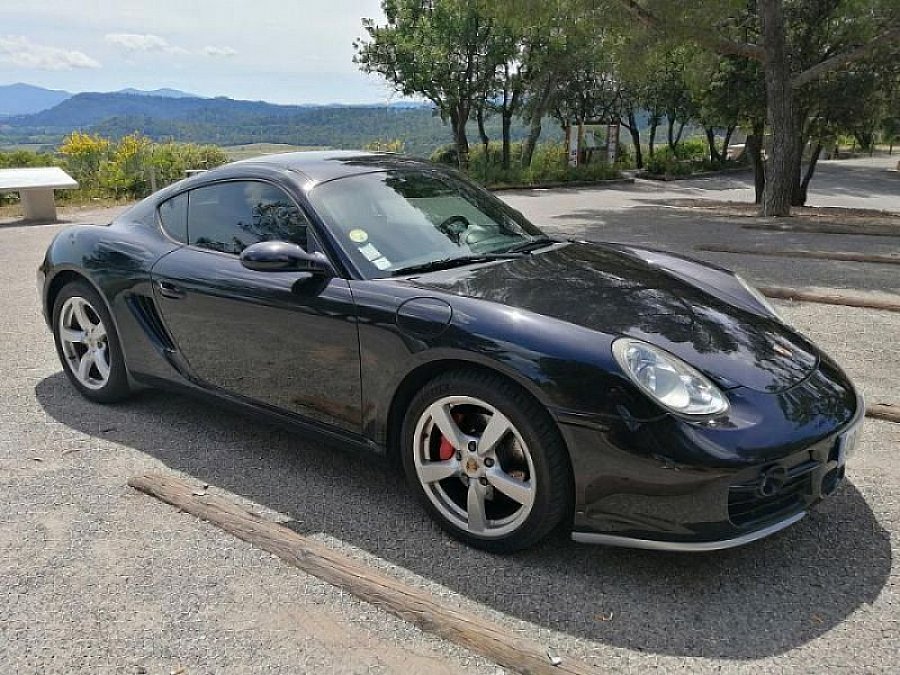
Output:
x=391 y=220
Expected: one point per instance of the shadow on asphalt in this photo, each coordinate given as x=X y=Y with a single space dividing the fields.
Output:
x=764 y=599
x=680 y=230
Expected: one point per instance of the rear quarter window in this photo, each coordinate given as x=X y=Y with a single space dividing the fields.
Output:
x=173 y=217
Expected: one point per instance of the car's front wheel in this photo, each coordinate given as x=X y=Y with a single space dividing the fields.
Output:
x=88 y=345
x=486 y=460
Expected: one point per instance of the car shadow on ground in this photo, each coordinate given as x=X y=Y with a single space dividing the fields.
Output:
x=746 y=603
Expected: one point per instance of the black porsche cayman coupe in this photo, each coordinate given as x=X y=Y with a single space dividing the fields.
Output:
x=634 y=396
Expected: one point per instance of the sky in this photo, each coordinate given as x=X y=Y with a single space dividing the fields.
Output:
x=288 y=51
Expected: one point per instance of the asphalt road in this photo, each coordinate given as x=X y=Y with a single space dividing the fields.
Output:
x=644 y=213
x=100 y=579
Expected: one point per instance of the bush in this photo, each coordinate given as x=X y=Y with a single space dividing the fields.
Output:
x=129 y=167
x=445 y=154
x=692 y=150
x=549 y=164
x=168 y=162
x=133 y=165
x=395 y=145
x=15 y=159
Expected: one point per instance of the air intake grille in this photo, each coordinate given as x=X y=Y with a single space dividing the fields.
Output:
x=145 y=311
x=751 y=502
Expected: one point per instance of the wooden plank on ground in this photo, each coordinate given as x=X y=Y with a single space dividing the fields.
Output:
x=846 y=256
x=411 y=604
x=830 y=298
x=884 y=411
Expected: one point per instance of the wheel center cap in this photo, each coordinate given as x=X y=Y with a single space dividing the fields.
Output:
x=472 y=466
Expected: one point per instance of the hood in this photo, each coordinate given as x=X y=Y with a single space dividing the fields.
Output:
x=609 y=291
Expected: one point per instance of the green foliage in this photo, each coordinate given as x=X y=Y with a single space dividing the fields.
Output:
x=664 y=163
x=396 y=145
x=122 y=172
x=124 y=168
x=83 y=155
x=14 y=159
x=689 y=156
x=169 y=161
x=691 y=150
x=447 y=52
x=549 y=165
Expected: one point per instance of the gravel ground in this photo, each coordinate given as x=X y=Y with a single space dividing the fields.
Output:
x=101 y=579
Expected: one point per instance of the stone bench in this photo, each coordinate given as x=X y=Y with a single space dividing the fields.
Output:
x=35 y=187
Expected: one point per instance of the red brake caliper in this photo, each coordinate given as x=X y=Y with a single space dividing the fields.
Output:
x=445 y=451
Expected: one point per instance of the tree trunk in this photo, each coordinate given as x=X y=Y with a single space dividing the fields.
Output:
x=507 y=143
x=459 y=116
x=714 y=155
x=780 y=151
x=482 y=133
x=727 y=141
x=671 y=133
x=635 y=132
x=807 y=177
x=654 y=122
x=678 y=135
x=537 y=115
x=753 y=148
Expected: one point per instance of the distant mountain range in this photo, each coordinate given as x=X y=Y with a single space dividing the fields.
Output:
x=164 y=92
x=167 y=114
x=25 y=99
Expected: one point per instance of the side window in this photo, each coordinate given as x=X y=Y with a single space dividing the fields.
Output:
x=173 y=216
x=229 y=217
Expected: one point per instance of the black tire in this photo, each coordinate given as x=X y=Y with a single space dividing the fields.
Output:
x=554 y=491
x=116 y=387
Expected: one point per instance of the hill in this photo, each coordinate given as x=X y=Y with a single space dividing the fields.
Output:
x=165 y=92
x=83 y=110
x=226 y=121
x=24 y=99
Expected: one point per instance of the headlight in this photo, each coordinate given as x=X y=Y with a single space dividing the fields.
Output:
x=667 y=379
x=759 y=297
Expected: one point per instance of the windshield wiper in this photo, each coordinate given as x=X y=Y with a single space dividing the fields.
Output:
x=531 y=244
x=458 y=261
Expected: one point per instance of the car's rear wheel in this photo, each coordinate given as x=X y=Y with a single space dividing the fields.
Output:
x=486 y=460
x=88 y=345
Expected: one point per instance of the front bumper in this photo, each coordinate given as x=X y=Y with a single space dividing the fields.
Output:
x=673 y=485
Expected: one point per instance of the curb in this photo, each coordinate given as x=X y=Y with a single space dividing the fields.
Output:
x=561 y=184
x=703 y=174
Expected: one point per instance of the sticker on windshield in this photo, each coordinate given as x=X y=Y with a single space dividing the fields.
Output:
x=359 y=236
x=381 y=263
x=370 y=252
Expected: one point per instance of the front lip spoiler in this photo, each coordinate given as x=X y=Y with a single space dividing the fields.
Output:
x=685 y=546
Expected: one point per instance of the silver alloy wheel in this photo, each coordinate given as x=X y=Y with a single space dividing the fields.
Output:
x=84 y=342
x=488 y=486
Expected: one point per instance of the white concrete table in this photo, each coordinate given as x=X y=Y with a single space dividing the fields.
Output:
x=35 y=188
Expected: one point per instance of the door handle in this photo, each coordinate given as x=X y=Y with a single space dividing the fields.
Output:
x=169 y=290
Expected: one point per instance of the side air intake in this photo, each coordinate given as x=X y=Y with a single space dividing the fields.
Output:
x=145 y=312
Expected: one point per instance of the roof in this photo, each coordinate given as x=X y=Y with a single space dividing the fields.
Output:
x=49 y=177
x=320 y=166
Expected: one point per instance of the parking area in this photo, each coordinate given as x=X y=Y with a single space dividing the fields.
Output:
x=97 y=578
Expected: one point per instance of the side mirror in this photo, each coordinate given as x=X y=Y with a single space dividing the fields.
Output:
x=280 y=256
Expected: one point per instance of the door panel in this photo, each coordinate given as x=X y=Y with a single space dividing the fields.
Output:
x=284 y=339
